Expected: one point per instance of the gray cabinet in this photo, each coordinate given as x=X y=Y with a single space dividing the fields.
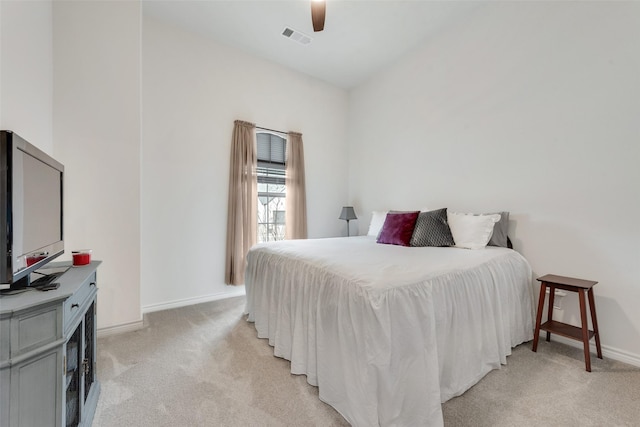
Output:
x=48 y=353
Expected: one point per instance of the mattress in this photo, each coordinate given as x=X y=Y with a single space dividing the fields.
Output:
x=388 y=333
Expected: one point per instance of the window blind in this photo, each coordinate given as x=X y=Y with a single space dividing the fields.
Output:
x=271 y=150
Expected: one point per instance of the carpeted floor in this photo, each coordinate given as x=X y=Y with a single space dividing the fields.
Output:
x=202 y=365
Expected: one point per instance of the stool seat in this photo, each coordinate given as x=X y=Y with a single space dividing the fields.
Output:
x=582 y=333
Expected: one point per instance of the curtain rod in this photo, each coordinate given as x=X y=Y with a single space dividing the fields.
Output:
x=272 y=130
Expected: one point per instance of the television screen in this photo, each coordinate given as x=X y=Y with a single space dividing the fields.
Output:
x=36 y=209
x=31 y=185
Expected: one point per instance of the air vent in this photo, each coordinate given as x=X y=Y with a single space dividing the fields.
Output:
x=297 y=36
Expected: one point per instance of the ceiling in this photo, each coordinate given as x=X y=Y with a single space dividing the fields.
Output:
x=360 y=36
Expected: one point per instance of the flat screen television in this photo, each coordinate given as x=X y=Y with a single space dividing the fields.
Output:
x=31 y=184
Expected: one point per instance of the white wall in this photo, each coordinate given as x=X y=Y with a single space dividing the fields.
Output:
x=193 y=89
x=531 y=108
x=26 y=70
x=97 y=137
x=526 y=107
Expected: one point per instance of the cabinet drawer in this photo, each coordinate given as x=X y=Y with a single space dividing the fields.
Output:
x=74 y=306
x=33 y=329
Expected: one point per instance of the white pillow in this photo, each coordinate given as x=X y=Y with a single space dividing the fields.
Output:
x=471 y=231
x=377 y=221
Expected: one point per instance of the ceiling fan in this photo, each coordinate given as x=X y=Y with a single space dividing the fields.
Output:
x=318 y=9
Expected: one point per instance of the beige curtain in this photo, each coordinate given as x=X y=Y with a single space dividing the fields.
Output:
x=296 y=199
x=242 y=211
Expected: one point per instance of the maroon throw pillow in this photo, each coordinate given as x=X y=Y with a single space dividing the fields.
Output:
x=398 y=228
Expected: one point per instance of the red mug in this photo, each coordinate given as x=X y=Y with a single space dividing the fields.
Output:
x=82 y=257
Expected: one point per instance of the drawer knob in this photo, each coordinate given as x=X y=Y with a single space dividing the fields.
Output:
x=74 y=306
x=92 y=284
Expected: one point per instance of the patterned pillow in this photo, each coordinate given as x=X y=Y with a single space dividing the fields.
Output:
x=398 y=228
x=499 y=236
x=432 y=229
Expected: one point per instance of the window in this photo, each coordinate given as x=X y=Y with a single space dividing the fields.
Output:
x=271 y=186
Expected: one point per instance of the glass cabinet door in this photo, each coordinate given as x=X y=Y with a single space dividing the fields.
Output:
x=72 y=378
x=89 y=349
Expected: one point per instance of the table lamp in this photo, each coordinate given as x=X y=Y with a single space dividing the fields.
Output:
x=348 y=214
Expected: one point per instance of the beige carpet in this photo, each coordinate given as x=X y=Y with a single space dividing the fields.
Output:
x=203 y=366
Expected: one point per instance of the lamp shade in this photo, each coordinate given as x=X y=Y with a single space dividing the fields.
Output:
x=348 y=213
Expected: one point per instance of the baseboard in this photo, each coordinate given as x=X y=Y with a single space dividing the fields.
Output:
x=234 y=291
x=607 y=351
x=139 y=324
x=120 y=329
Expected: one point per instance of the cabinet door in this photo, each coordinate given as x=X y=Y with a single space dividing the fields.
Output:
x=35 y=391
x=80 y=393
x=90 y=385
x=89 y=361
x=73 y=378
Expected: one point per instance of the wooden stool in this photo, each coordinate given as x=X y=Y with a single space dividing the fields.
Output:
x=551 y=326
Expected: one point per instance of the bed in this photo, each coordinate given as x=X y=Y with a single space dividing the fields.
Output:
x=387 y=332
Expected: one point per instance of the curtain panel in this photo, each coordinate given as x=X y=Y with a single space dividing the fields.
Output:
x=296 y=200
x=243 y=195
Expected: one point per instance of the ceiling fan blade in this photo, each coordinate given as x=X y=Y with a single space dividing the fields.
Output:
x=318 y=9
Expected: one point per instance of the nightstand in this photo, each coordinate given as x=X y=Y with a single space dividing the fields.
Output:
x=583 y=334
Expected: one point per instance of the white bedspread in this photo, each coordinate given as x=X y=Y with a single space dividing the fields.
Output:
x=387 y=333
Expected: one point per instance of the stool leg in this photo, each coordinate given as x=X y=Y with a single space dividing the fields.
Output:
x=536 y=334
x=585 y=330
x=594 y=320
x=552 y=296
